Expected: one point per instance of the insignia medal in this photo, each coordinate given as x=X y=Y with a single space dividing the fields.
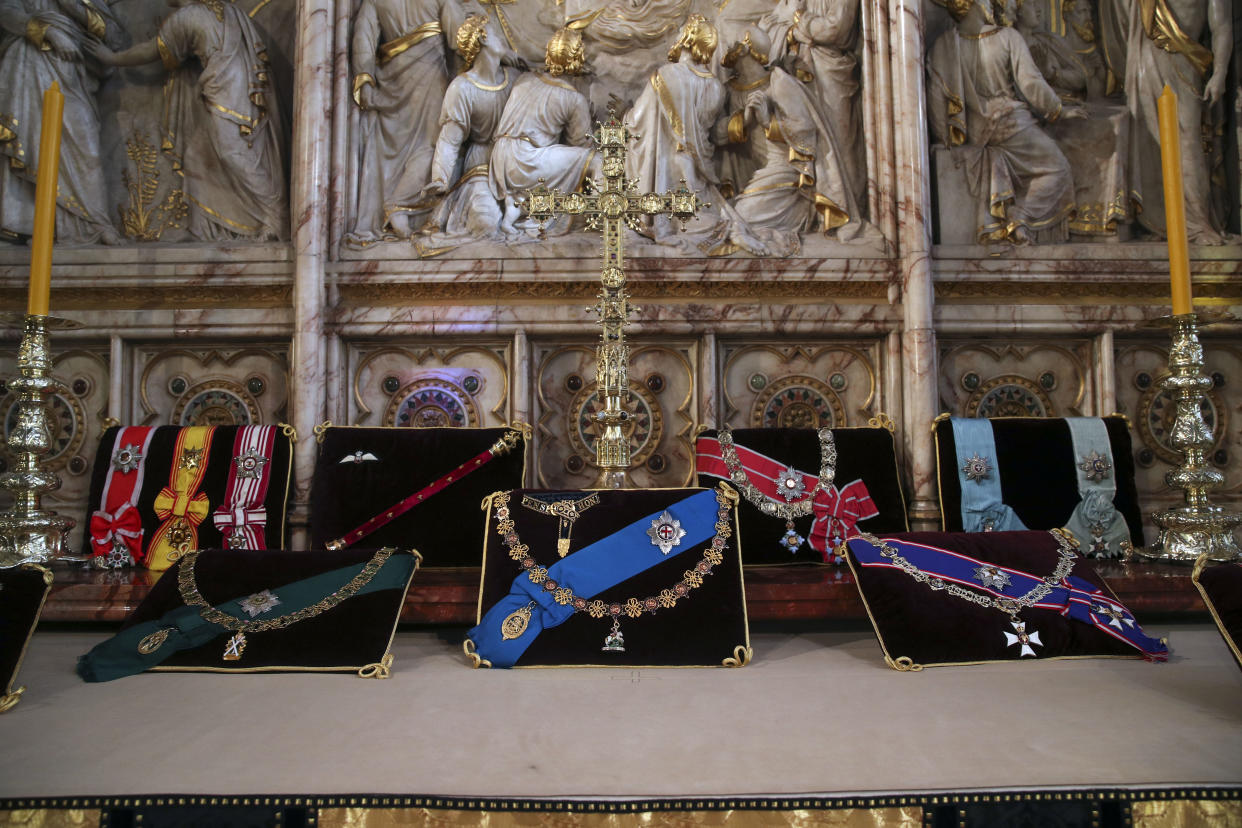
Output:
x=250 y=464
x=1115 y=617
x=515 y=623
x=666 y=532
x=259 y=603
x=791 y=540
x=977 y=468
x=1096 y=466
x=1022 y=637
x=565 y=509
x=358 y=457
x=789 y=483
x=153 y=642
x=236 y=646
x=992 y=577
x=127 y=458
x=614 y=642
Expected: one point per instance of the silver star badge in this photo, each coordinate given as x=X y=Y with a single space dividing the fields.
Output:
x=250 y=464
x=259 y=603
x=1096 y=466
x=127 y=458
x=1023 y=638
x=666 y=532
x=789 y=483
x=976 y=468
x=992 y=577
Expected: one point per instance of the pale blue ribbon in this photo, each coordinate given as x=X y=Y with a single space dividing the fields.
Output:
x=983 y=510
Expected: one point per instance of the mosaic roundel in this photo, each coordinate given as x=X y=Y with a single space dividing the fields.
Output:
x=1156 y=412
x=67 y=417
x=797 y=401
x=432 y=402
x=644 y=428
x=1009 y=395
x=216 y=402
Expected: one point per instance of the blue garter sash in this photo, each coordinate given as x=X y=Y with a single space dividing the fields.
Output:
x=1099 y=528
x=588 y=572
x=982 y=507
x=1073 y=598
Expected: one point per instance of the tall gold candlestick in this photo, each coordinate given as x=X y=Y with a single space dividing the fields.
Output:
x=1174 y=202
x=45 y=202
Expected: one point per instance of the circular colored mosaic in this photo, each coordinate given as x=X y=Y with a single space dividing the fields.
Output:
x=217 y=402
x=797 y=401
x=1156 y=412
x=644 y=426
x=1009 y=395
x=66 y=416
x=432 y=402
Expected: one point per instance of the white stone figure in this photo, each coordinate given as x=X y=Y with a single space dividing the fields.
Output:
x=41 y=42
x=544 y=131
x=802 y=185
x=815 y=41
x=1097 y=147
x=221 y=124
x=984 y=96
x=1159 y=42
x=400 y=77
x=469 y=117
x=675 y=126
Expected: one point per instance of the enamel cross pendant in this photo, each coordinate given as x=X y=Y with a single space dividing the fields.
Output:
x=1023 y=638
x=236 y=646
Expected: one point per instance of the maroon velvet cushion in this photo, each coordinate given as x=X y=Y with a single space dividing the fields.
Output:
x=1221 y=587
x=919 y=626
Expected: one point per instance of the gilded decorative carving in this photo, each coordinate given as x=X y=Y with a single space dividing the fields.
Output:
x=421 y=386
x=1022 y=379
x=1058 y=290
x=800 y=386
x=211 y=386
x=157 y=297
x=659 y=425
x=146 y=217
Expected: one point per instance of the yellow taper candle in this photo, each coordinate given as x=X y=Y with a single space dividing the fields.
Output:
x=45 y=203
x=1174 y=202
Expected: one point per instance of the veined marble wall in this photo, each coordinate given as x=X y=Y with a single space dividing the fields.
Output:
x=907 y=318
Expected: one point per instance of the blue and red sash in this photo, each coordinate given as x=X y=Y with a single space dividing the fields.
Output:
x=588 y=572
x=1073 y=597
x=836 y=511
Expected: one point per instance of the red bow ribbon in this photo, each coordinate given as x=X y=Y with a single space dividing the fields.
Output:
x=837 y=512
x=124 y=528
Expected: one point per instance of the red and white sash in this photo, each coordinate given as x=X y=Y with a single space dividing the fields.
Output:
x=242 y=519
x=836 y=511
x=116 y=527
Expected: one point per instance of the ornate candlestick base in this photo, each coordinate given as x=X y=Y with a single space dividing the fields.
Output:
x=1188 y=531
x=28 y=532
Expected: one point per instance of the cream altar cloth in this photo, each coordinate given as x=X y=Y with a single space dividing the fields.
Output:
x=815 y=713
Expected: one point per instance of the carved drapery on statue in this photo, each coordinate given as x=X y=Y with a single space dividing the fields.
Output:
x=222 y=123
x=44 y=42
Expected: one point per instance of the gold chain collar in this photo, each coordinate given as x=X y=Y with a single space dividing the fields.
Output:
x=772 y=506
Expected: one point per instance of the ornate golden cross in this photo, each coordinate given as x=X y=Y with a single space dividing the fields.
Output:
x=611 y=208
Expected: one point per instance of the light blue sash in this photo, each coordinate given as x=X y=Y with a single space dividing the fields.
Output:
x=588 y=572
x=982 y=507
x=1096 y=524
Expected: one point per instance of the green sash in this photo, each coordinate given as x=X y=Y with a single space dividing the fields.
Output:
x=142 y=646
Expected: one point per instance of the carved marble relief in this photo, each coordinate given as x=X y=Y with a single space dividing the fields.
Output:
x=466 y=386
x=187 y=143
x=1043 y=116
x=78 y=416
x=661 y=425
x=800 y=386
x=1022 y=379
x=228 y=385
x=758 y=107
x=1139 y=368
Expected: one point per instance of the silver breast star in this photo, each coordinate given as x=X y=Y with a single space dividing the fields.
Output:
x=976 y=468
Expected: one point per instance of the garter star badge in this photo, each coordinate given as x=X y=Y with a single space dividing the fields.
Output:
x=1096 y=466
x=666 y=532
x=992 y=577
x=976 y=468
x=259 y=603
x=127 y=458
x=1023 y=638
x=250 y=464
x=789 y=483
